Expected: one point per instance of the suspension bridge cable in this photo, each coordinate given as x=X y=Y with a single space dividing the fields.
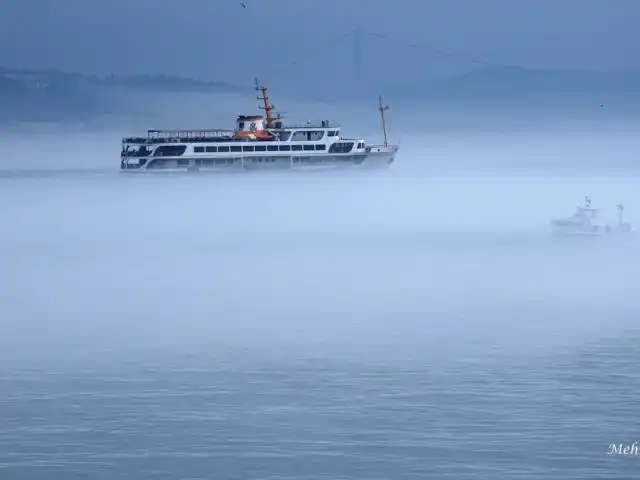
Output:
x=435 y=51
x=321 y=47
x=313 y=51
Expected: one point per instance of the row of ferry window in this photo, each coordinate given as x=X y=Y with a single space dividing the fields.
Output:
x=260 y=148
x=179 y=150
x=301 y=135
x=342 y=146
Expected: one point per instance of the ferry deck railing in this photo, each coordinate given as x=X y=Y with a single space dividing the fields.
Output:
x=202 y=136
x=170 y=136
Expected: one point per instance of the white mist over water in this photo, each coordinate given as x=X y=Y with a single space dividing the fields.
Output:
x=448 y=251
x=352 y=325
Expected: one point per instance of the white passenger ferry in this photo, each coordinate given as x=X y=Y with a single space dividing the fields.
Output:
x=258 y=142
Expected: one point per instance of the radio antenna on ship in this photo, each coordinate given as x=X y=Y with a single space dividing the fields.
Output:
x=383 y=108
x=268 y=108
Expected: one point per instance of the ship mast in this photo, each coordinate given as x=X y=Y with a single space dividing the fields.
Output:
x=268 y=108
x=382 y=109
x=620 y=208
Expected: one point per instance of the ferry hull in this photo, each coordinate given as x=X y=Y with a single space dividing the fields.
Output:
x=378 y=158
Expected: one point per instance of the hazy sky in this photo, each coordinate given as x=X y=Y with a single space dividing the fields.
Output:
x=219 y=39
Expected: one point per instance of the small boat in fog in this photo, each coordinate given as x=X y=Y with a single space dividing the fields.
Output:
x=584 y=222
x=257 y=143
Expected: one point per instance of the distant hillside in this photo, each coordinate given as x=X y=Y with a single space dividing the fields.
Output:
x=482 y=86
x=57 y=97
x=523 y=80
x=50 y=79
x=53 y=95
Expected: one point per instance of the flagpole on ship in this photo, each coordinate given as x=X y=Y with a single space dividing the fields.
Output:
x=382 y=109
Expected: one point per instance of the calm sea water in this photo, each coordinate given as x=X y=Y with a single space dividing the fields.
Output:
x=260 y=330
x=245 y=415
